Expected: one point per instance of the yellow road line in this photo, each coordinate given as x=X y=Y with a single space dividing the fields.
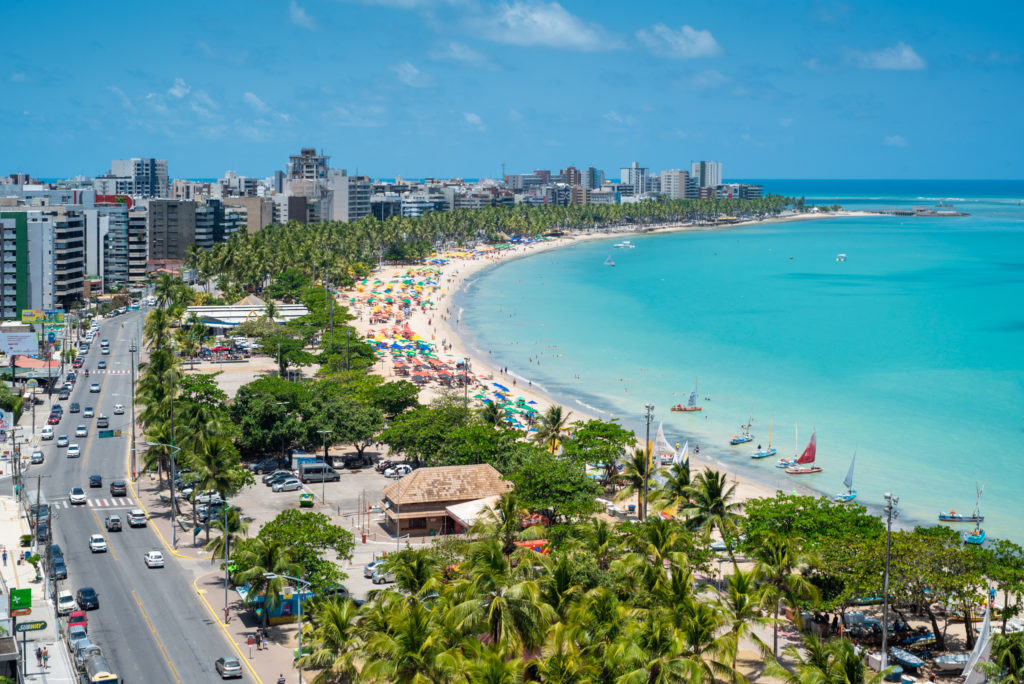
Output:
x=219 y=620
x=160 y=644
x=103 y=531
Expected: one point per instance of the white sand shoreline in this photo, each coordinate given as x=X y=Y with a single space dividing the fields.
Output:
x=442 y=325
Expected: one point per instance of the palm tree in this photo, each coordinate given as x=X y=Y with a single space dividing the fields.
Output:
x=232 y=527
x=778 y=561
x=503 y=522
x=633 y=475
x=711 y=507
x=264 y=562
x=825 y=662
x=410 y=651
x=673 y=495
x=334 y=642
x=492 y=414
x=741 y=606
x=414 y=569
x=549 y=427
x=1007 y=660
x=654 y=652
x=270 y=311
x=490 y=664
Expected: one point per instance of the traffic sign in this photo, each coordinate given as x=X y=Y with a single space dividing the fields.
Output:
x=32 y=383
x=34 y=626
x=106 y=433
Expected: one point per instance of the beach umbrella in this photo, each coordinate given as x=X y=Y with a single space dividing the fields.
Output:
x=502 y=387
x=531 y=402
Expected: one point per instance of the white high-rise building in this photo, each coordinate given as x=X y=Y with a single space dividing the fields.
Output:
x=677 y=184
x=636 y=176
x=706 y=174
x=142 y=176
x=350 y=195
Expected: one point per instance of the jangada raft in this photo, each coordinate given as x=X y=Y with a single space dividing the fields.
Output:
x=691 y=404
x=805 y=464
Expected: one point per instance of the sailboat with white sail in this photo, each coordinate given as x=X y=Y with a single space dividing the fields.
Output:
x=850 y=494
x=691 y=404
x=744 y=436
x=770 y=450
x=805 y=464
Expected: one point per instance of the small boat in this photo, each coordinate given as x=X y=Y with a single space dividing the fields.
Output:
x=975 y=517
x=840 y=257
x=975 y=536
x=805 y=464
x=850 y=494
x=745 y=436
x=625 y=244
x=906 y=658
x=951 y=662
x=609 y=262
x=770 y=451
x=919 y=640
x=691 y=403
x=786 y=462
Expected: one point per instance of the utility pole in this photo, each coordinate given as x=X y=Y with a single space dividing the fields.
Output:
x=647 y=458
x=890 y=505
x=174 y=503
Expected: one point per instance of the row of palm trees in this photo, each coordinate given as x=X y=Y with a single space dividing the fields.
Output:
x=339 y=252
x=608 y=603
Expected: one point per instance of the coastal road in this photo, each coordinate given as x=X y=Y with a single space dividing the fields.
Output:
x=151 y=625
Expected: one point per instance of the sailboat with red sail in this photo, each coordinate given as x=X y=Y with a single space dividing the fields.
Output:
x=805 y=464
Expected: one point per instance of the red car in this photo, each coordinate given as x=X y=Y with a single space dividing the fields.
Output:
x=78 y=617
x=54 y=419
x=77 y=364
x=221 y=349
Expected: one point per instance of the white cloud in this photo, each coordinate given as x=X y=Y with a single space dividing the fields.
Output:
x=300 y=18
x=459 y=52
x=686 y=43
x=709 y=78
x=899 y=57
x=253 y=100
x=618 y=119
x=203 y=104
x=157 y=103
x=411 y=76
x=548 y=24
x=362 y=116
x=180 y=89
x=515 y=115
x=19 y=77
x=895 y=141
x=126 y=101
x=474 y=120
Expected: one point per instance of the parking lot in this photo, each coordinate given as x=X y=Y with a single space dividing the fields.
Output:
x=343 y=501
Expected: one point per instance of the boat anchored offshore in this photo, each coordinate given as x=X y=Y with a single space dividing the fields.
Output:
x=609 y=262
x=745 y=436
x=850 y=494
x=765 y=453
x=805 y=464
x=840 y=257
x=975 y=517
x=975 y=536
x=625 y=244
x=785 y=462
x=691 y=403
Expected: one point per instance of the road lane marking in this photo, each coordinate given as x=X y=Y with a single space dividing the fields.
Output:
x=159 y=643
x=219 y=621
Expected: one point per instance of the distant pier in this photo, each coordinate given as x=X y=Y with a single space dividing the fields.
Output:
x=929 y=212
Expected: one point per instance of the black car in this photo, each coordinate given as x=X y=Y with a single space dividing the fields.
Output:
x=74 y=408
x=58 y=569
x=56 y=552
x=279 y=476
x=118 y=488
x=87 y=598
x=95 y=480
x=267 y=465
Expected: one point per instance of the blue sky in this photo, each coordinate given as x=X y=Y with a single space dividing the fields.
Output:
x=815 y=89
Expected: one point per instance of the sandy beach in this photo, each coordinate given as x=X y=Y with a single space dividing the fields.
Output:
x=440 y=324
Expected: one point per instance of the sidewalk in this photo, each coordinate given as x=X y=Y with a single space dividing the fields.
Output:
x=23 y=576
x=266 y=664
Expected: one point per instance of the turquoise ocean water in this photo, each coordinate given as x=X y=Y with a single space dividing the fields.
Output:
x=910 y=353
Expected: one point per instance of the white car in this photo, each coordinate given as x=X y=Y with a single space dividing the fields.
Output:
x=97 y=544
x=118 y=409
x=89 y=412
x=94 y=388
x=289 y=485
x=399 y=470
x=47 y=433
x=154 y=559
x=76 y=495
x=81 y=431
x=74 y=451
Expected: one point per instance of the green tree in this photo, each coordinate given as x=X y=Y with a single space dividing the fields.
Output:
x=550 y=427
x=1006 y=665
x=554 y=487
x=712 y=507
x=334 y=642
x=825 y=662
x=261 y=563
x=308 y=535
x=597 y=441
x=779 y=560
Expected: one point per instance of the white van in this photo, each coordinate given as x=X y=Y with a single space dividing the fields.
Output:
x=47 y=433
x=65 y=602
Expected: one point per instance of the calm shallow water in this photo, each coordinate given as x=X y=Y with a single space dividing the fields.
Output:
x=909 y=352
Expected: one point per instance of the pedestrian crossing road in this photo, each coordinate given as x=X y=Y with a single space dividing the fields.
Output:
x=116 y=502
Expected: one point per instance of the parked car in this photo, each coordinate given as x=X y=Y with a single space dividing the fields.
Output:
x=371 y=568
x=267 y=465
x=97 y=543
x=383 y=465
x=58 y=569
x=89 y=412
x=228 y=668
x=154 y=559
x=118 y=488
x=74 y=451
x=65 y=602
x=381 y=577
x=277 y=473
x=113 y=523
x=78 y=617
x=87 y=598
x=397 y=471
x=287 y=485
x=208 y=497
x=95 y=480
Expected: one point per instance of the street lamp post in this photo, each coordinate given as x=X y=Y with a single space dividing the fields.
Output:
x=174 y=507
x=890 y=512
x=305 y=585
x=324 y=433
x=647 y=457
